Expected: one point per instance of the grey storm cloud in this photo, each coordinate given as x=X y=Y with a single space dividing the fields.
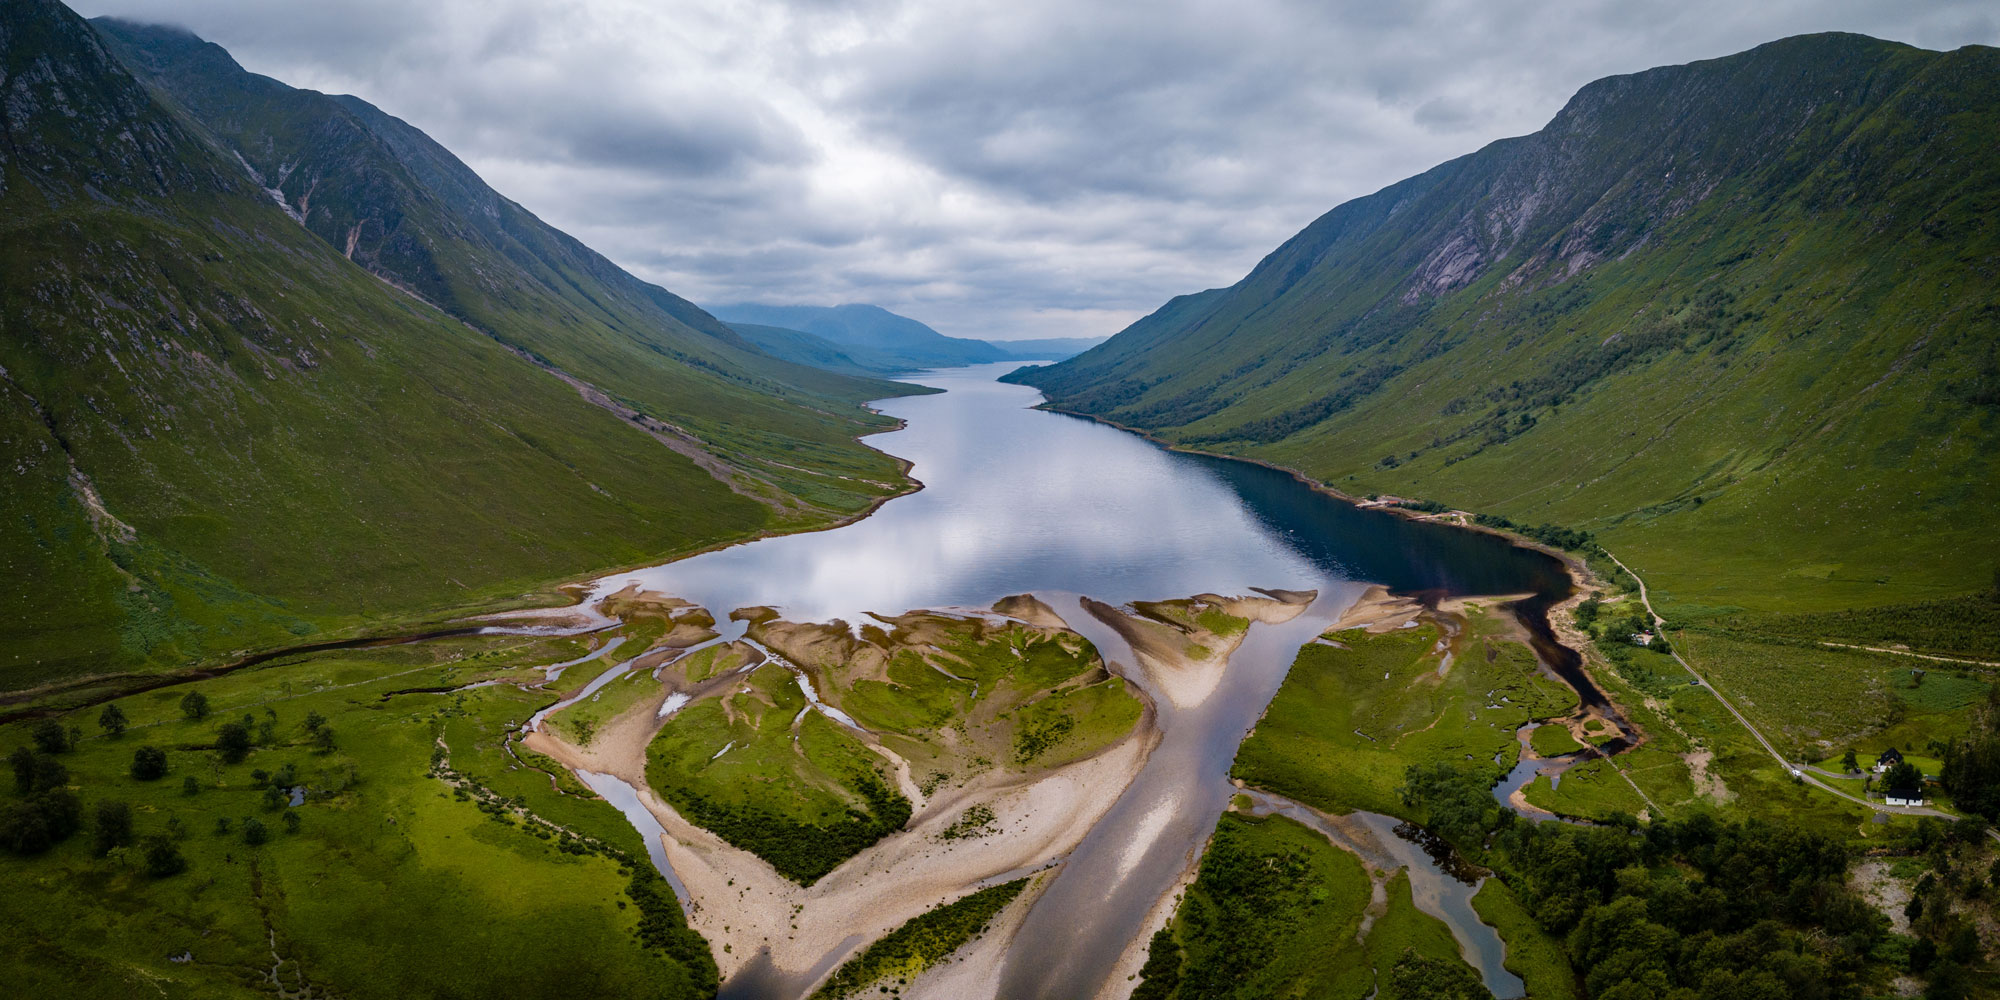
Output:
x=1021 y=169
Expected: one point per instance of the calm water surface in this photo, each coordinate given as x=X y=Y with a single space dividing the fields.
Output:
x=1018 y=500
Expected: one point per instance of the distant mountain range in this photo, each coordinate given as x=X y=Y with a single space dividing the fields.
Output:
x=1741 y=318
x=867 y=339
x=274 y=365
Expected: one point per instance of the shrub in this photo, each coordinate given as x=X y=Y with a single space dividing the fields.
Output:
x=254 y=832
x=195 y=705
x=149 y=764
x=233 y=739
x=50 y=736
x=113 y=827
x=112 y=721
x=163 y=858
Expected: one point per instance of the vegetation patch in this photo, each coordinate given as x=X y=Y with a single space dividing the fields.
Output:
x=924 y=941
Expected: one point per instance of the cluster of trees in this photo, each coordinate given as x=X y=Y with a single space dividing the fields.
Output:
x=1684 y=909
x=800 y=851
x=1554 y=536
x=1248 y=902
x=1972 y=764
x=45 y=812
x=1612 y=629
x=1697 y=908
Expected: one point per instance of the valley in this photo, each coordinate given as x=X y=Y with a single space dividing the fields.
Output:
x=1566 y=573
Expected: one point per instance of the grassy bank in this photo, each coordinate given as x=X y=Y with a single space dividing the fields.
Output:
x=424 y=858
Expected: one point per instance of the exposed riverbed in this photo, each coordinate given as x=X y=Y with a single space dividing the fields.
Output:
x=1018 y=500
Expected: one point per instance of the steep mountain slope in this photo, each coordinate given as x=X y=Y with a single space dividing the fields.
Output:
x=1738 y=317
x=389 y=198
x=224 y=435
x=872 y=330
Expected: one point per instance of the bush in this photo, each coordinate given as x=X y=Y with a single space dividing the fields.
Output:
x=149 y=764
x=254 y=832
x=50 y=736
x=113 y=827
x=195 y=705
x=190 y=787
x=112 y=721
x=233 y=739
x=36 y=773
x=42 y=821
x=163 y=857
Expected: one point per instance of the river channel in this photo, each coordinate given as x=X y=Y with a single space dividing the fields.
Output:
x=1020 y=500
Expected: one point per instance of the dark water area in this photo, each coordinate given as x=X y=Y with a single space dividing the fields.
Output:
x=1380 y=547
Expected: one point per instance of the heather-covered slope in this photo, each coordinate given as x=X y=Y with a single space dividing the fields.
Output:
x=223 y=435
x=1739 y=318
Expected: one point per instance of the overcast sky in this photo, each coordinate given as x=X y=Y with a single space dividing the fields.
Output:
x=1025 y=168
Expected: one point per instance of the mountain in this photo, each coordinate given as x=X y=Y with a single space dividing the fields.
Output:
x=876 y=333
x=1737 y=318
x=819 y=352
x=1047 y=348
x=237 y=420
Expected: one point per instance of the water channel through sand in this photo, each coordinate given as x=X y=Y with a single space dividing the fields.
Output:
x=1018 y=500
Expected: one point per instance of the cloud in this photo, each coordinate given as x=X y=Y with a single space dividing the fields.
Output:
x=1021 y=169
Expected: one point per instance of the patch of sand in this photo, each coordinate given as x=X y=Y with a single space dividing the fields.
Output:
x=744 y=907
x=1378 y=611
x=1184 y=663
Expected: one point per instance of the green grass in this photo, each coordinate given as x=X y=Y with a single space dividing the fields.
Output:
x=1531 y=953
x=923 y=941
x=289 y=449
x=490 y=895
x=1404 y=929
x=1339 y=735
x=730 y=763
x=959 y=696
x=1273 y=912
x=1590 y=790
x=1553 y=740
x=1813 y=701
x=1778 y=395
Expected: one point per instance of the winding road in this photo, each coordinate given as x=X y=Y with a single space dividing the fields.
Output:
x=1802 y=773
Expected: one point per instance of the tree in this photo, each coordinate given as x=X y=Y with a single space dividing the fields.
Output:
x=1458 y=803
x=23 y=762
x=112 y=721
x=233 y=739
x=163 y=857
x=323 y=739
x=190 y=787
x=254 y=832
x=195 y=705
x=1849 y=762
x=50 y=736
x=42 y=821
x=113 y=827
x=1901 y=775
x=291 y=821
x=315 y=722
x=149 y=763
x=274 y=798
x=35 y=772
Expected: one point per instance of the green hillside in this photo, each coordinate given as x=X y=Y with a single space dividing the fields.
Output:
x=225 y=435
x=1737 y=318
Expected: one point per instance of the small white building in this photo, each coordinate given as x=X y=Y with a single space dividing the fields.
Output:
x=1890 y=758
x=1904 y=796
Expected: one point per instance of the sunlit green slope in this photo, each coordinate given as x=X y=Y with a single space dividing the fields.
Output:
x=220 y=434
x=1739 y=318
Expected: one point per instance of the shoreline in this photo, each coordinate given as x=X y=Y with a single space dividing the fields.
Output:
x=422 y=626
